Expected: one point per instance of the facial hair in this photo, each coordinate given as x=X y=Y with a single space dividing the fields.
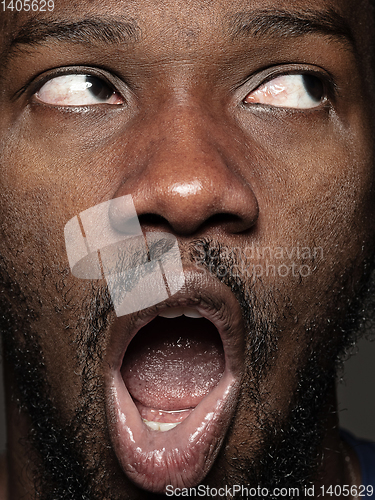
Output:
x=73 y=465
x=290 y=446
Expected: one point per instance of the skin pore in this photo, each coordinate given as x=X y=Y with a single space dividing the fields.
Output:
x=211 y=158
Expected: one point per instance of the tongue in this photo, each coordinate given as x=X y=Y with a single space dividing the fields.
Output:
x=171 y=364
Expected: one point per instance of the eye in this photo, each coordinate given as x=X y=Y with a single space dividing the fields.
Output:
x=289 y=91
x=78 y=90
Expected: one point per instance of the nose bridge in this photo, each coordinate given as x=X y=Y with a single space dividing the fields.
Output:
x=186 y=150
x=188 y=176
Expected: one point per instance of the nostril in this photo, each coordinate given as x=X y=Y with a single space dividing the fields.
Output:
x=232 y=222
x=153 y=219
x=221 y=219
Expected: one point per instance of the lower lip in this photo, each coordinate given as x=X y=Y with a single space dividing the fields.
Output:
x=180 y=457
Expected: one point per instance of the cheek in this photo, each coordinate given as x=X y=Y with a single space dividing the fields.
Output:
x=313 y=179
x=37 y=198
x=314 y=186
x=52 y=168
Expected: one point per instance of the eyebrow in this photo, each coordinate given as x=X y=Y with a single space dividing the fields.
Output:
x=111 y=30
x=291 y=24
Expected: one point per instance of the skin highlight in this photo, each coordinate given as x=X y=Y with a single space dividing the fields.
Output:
x=216 y=173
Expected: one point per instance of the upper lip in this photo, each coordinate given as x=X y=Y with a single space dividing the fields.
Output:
x=182 y=456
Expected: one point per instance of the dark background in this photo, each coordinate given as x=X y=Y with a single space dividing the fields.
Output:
x=356 y=395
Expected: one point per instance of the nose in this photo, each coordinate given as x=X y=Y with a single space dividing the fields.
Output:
x=189 y=182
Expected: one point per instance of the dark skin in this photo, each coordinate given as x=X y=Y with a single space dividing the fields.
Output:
x=199 y=163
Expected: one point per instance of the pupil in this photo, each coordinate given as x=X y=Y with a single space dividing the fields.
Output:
x=98 y=88
x=314 y=87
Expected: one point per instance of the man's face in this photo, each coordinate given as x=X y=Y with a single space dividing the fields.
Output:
x=244 y=130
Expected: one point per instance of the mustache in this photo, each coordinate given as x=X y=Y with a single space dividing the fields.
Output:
x=205 y=254
x=127 y=264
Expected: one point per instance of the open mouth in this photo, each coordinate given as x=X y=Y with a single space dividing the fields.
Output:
x=174 y=390
x=171 y=365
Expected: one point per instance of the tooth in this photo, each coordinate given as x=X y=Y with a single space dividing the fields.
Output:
x=166 y=427
x=172 y=313
x=160 y=426
x=191 y=313
x=152 y=425
x=175 y=312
